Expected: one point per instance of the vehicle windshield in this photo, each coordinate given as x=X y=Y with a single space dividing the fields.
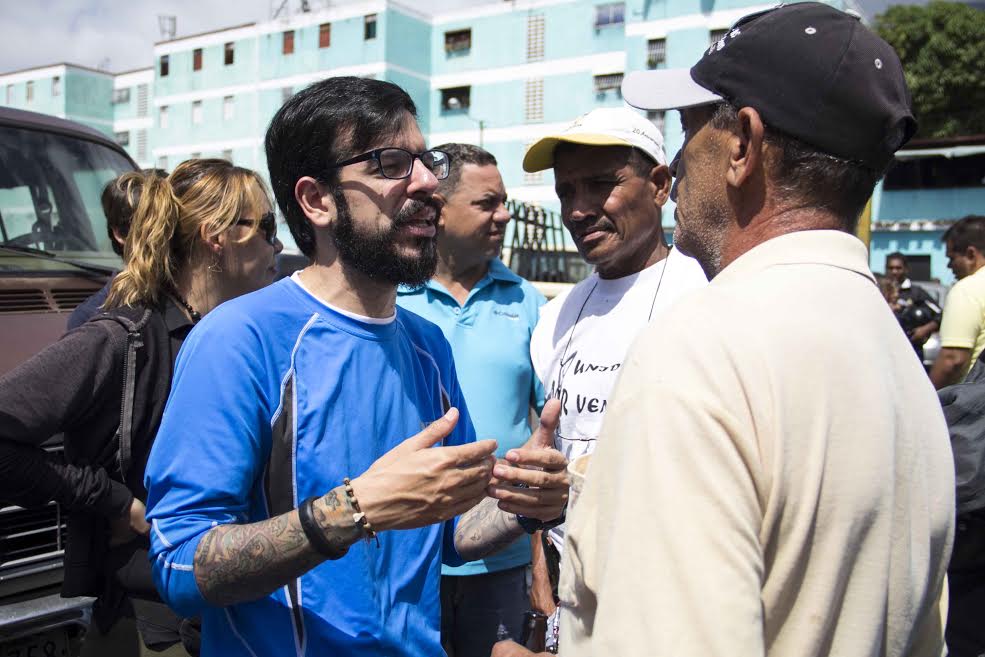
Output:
x=50 y=187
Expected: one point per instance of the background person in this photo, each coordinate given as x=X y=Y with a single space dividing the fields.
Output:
x=285 y=394
x=915 y=305
x=763 y=485
x=200 y=236
x=487 y=313
x=118 y=206
x=963 y=323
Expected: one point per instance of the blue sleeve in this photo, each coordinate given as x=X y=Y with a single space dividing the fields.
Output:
x=209 y=451
x=463 y=433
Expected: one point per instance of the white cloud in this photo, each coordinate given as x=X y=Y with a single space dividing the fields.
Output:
x=120 y=34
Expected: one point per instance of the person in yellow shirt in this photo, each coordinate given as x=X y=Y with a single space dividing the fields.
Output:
x=963 y=325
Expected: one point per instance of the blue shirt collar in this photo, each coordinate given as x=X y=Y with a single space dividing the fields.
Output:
x=497 y=272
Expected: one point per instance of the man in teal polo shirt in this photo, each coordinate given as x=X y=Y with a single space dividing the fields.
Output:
x=488 y=314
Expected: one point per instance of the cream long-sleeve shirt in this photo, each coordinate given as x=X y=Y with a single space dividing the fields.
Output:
x=774 y=475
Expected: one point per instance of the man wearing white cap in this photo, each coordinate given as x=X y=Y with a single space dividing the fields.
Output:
x=766 y=484
x=612 y=179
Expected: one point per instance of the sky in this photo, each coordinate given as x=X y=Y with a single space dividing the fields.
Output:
x=118 y=35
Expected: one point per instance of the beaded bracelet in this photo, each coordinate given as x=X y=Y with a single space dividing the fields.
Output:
x=359 y=517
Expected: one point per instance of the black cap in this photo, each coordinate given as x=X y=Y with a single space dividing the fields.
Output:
x=811 y=71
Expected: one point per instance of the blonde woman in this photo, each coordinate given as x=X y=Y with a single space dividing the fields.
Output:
x=201 y=236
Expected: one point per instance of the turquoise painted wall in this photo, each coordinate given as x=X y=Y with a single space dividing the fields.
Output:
x=930 y=204
x=911 y=243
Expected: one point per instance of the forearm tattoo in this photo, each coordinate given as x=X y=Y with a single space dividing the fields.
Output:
x=485 y=529
x=238 y=563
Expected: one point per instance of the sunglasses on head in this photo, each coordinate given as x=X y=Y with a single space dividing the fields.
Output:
x=266 y=225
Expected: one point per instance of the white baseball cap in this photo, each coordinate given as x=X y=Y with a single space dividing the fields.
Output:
x=607 y=126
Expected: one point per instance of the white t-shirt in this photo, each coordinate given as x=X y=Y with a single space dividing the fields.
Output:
x=590 y=328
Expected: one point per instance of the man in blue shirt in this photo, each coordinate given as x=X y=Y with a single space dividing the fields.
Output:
x=285 y=394
x=488 y=314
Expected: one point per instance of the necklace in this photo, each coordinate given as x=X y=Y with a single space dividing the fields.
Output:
x=571 y=336
x=194 y=314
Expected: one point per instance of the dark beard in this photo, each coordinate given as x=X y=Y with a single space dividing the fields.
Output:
x=374 y=255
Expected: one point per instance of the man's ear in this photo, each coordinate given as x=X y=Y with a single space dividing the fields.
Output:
x=662 y=180
x=745 y=148
x=315 y=201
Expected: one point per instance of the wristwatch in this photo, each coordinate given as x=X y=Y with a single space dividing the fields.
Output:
x=531 y=525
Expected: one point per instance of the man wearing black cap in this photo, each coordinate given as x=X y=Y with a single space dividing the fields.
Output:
x=776 y=487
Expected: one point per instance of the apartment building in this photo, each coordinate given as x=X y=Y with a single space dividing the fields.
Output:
x=67 y=91
x=499 y=73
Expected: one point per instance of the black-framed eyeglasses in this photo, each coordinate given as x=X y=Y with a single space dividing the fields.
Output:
x=397 y=163
x=267 y=225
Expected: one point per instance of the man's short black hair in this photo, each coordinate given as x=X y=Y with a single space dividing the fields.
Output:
x=458 y=156
x=119 y=204
x=805 y=175
x=329 y=121
x=896 y=255
x=968 y=231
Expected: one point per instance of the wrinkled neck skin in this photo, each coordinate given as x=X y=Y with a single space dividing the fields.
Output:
x=744 y=235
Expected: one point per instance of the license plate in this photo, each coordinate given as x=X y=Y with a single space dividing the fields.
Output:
x=53 y=643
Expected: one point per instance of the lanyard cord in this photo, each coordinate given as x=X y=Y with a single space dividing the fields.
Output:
x=571 y=336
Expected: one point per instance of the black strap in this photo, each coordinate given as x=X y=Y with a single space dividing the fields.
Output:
x=314 y=533
x=124 y=432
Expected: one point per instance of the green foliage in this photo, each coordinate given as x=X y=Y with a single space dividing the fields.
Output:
x=941 y=47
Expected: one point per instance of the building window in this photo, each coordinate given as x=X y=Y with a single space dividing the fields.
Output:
x=369 y=27
x=29 y=92
x=324 y=35
x=287 y=43
x=936 y=173
x=458 y=42
x=286 y=93
x=162 y=162
x=608 y=82
x=533 y=98
x=611 y=13
x=10 y=94
x=535 y=37
x=656 y=53
x=122 y=138
x=197 y=59
x=656 y=117
x=162 y=117
x=716 y=35
x=141 y=100
x=456 y=99
x=141 y=145
x=229 y=54
x=227 y=155
x=56 y=86
x=196 y=155
x=165 y=65
x=196 y=112
x=121 y=96
x=227 y=107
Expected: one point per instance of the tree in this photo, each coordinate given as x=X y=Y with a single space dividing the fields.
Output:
x=940 y=45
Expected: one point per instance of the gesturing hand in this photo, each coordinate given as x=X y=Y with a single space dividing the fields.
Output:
x=534 y=480
x=415 y=484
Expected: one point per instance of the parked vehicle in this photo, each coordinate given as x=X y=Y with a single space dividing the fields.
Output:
x=54 y=253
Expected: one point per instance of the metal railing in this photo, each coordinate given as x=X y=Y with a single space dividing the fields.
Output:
x=537 y=250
